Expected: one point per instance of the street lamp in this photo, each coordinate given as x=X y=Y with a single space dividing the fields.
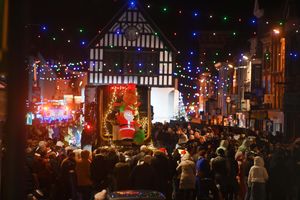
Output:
x=276 y=31
x=228 y=99
x=245 y=57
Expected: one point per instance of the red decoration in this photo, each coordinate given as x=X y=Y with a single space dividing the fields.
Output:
x=126 y=117
x=126 y=124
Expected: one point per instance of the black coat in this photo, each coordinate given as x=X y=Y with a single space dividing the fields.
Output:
x=99 y=170
x=160 y=164
x=121 y=176
x=143 y=177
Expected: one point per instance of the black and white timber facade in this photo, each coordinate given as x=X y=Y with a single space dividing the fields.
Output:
x=132 y=49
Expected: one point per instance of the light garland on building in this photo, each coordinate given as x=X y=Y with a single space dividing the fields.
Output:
x=143 y=122
x=109 y=111
x=188 y=73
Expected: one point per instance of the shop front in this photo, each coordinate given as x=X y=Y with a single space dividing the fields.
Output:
x=257 y=119
x=275 y=121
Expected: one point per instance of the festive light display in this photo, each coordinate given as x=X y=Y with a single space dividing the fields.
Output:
x=60 y=71
x=54 y=110
x=124 y=108
x=189 y=70
x=109 y=111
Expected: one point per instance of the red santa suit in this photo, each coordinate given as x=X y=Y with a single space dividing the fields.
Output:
x=126 y=124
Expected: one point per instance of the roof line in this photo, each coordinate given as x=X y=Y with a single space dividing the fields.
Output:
x=119 y=13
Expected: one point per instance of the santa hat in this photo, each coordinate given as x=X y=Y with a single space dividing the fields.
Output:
x=182 y=152
x=163 y=151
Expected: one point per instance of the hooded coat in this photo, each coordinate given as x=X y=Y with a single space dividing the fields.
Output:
x=258 y=173
x=188 y=173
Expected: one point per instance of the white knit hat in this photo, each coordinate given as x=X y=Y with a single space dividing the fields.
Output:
x=59 y=144
x=100 y=195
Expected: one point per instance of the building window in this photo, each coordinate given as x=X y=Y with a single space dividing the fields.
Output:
x=130 y=62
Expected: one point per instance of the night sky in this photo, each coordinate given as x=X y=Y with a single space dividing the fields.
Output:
x=62 y=29
x=92 y=15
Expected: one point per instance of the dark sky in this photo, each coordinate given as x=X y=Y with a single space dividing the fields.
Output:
x=90 y=16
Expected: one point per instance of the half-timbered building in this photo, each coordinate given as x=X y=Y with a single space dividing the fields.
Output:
x=132 y=49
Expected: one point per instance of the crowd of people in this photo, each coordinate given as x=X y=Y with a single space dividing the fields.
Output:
x=180 y=161
x=68 y=132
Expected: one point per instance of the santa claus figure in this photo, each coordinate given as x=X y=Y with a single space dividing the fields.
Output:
x=126 y=124
x=128 y=112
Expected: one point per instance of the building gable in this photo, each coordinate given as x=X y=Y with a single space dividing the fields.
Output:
x=131 y=49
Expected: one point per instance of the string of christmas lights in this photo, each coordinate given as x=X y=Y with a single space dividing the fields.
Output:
x=109 y=111
x=189 y=72
x=60 y=71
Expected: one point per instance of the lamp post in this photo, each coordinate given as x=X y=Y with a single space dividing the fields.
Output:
x=228 y=99
x=233 y=111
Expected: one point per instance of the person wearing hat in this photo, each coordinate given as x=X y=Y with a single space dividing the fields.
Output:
x=257 y=178
x=220 y=171
x=182 y=139
x=187 y=182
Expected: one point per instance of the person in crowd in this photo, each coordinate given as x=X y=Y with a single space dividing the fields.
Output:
x=204 y=183
x=257 y=178
x=56 y=132
x=249 y=161
x=143 y=175
x=174 y=160
x=182 y=139
x=83 y=173
x=112 y=159
x=233 y=172
x=187 y=177
x=44 y=173
x=54 y=167
x=67 y=172
x=296 y=158
x=241 y=179
x=144 y=150
x=278 y=175
x=160 y=163
x=220 y=172
x=121 y=174
x=99 y=169
x=50 y=165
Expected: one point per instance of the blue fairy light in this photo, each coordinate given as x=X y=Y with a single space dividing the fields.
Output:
x=132 y=4
x=44 y=28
